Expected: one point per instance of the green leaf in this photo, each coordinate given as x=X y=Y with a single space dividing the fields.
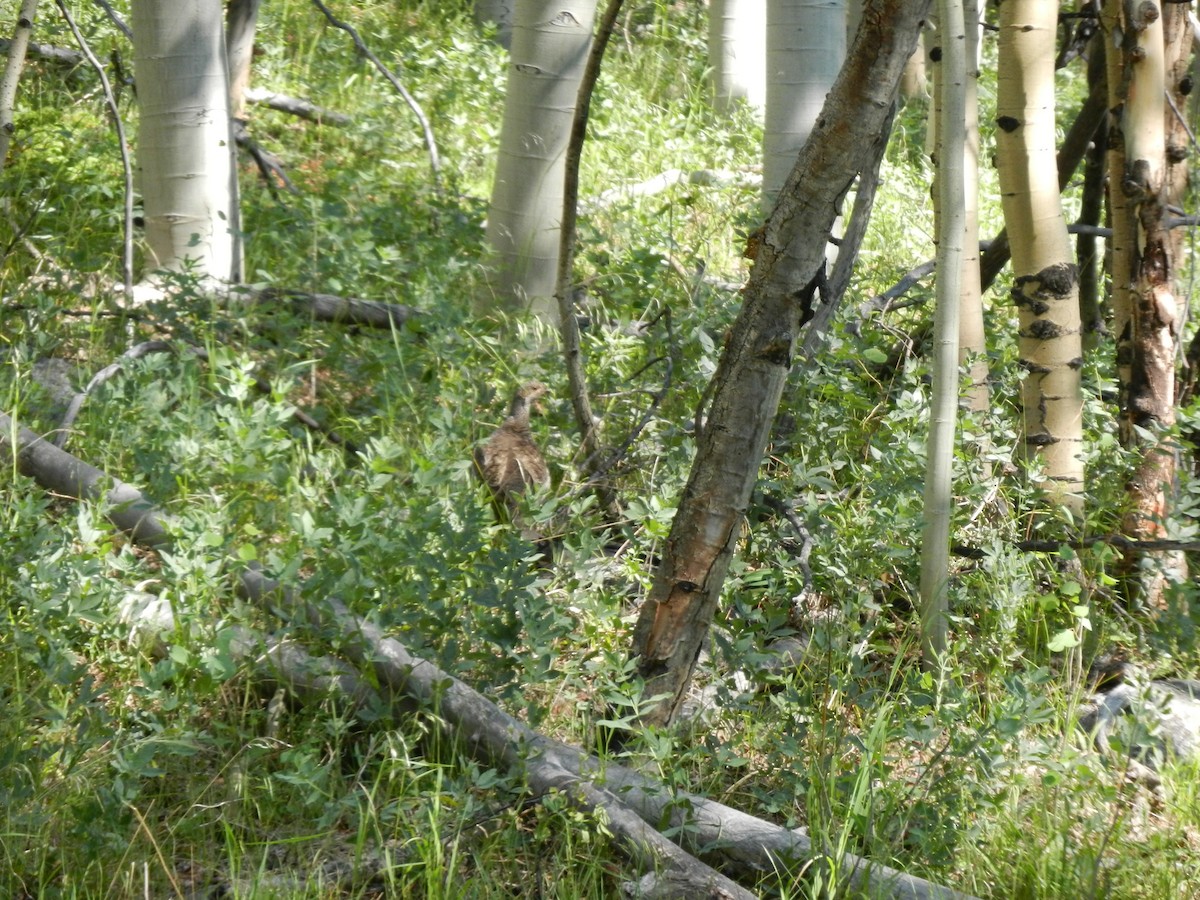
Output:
x=1064 y=640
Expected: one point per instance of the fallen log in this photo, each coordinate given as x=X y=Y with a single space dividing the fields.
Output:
x=630 y=803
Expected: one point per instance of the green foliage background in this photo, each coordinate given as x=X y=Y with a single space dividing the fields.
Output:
x=121 y=768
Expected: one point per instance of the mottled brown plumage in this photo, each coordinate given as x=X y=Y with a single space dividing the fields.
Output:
x=510 y=463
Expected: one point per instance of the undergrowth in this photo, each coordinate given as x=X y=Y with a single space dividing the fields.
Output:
x=130 y=771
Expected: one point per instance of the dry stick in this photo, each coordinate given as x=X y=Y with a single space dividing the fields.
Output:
x=860 y=218
x=294 y=106
x=127 y=167
x=751 y=845
x=329 y=307
x=116 y=18
x=12 y=74
x=362 y=48
x=568 y=324
x=601 y=469
x=297 y=106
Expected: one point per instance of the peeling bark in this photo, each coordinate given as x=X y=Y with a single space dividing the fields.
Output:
x=750 y=377
x=1147 y=63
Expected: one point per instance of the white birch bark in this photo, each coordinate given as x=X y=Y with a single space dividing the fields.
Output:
x=972 y=340
x=806 y=46
x=13 y=67
x=1046 y=279
x=549 y=50
x=185 y=143
x=952 y=225
x=498 y=13
x=737 y=49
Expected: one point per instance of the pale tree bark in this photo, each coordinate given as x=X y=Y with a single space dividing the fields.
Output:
x=498 y=13
x=754 y=365
x=737 y=49
x=1091 y=208
x=549 y=50
x=242 y=22
x=13 y=66
x=806 y=46
x=1146 y=44
x=915 y=81
x=185 y=142
x=972 y=341
x=951 y=233
x=1045 y=288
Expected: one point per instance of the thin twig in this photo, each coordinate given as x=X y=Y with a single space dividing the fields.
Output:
x=568 y=325
x=111 y=100
x=116 y=18
x=362 y=48
x=1120 y=541
x=598 y=468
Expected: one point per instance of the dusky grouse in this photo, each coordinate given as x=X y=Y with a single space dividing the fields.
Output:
x=510 y=463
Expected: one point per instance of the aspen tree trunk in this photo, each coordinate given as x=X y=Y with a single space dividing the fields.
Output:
x=806 y=45
x=952 y=78
x=1091 y=208
x=737 y=49
x=549 y=49
x=1146 y=44
x=1045 y=288
x=498 y=13
x=915 y=81
x=239 y=47
x=757 y=357
x=185 y=143
x=972 y=341
x=13 y=66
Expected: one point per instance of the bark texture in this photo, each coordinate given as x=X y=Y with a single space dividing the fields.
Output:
x=11 y=77
x=549 y=49
x=1046 y=282
x=185 y=142
x=1147 y=62
x=951 y=202
x=806 y=45
x=758 y=356
x=239 y=47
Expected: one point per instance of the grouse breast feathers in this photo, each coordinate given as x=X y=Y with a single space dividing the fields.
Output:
x=510 y=463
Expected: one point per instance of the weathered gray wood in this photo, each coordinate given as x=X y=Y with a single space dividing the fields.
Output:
x=788 y=254
x=631 y=803
x=328 y=307
x=60 y=472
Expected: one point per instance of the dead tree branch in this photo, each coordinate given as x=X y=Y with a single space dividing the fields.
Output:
x=630 y=802
x=593 y=456
x=422 y=119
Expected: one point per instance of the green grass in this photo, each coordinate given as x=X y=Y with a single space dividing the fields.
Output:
x=123 y=774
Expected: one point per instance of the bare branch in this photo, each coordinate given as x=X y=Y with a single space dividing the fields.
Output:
x=430 y=144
